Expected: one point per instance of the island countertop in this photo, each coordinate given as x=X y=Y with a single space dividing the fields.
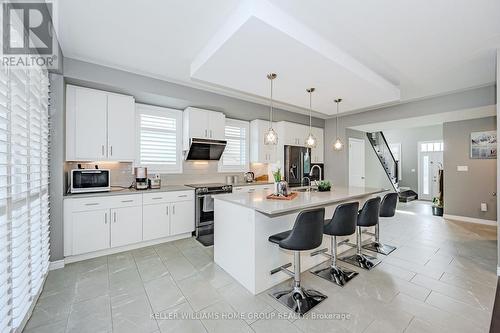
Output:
x=257 y=200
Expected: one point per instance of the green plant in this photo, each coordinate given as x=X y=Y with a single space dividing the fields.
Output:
x=437 y=202
x=324 y=185
x=277 y=175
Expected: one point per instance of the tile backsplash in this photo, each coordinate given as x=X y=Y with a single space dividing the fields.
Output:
x=122 y=174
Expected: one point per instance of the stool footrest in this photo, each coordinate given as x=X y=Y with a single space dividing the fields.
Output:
x=321 y=251
x=283 y=269
x=366 y=232
x=346 y=242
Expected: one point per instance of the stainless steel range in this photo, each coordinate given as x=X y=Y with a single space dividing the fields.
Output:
x=204 y=206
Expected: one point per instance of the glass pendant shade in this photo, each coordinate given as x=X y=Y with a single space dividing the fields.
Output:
x=310 y=140
x=271 y=137
x=338 y=145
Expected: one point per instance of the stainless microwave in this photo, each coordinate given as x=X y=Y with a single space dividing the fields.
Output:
x=89 y=180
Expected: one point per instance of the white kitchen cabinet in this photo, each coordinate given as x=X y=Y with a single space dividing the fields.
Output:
x=317 y=153
x=292 y=134
x=90 y=231
x=251 y=188
x=260 y=152
x=121 y=128
x=100 y=126
x=156 y=221
x=202 y=124
x=126 y=225
x=182 y=217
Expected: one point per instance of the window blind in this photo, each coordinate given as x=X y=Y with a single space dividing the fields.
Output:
x=24 y=197
x=159 y=138
x=235 y=156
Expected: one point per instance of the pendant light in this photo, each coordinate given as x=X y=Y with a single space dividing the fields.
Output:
x=337 y=145
x=271 y=137
x=310 y=140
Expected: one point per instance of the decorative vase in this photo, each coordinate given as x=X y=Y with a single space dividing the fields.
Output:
x=437 y=211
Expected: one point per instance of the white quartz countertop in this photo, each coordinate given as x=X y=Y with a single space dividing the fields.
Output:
x=122 y=191
x=254 y=183
x=257 y=200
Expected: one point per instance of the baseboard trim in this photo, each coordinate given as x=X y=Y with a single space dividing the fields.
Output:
x=469 y=219
x=498 y=270
x=56 y=264
x=85 y=256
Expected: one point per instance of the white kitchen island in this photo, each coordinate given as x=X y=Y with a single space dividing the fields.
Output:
x=244 y=221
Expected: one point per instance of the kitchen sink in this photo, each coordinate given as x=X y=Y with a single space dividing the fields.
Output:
x=305 y=190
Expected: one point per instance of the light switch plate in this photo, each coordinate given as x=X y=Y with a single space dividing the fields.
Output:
x=462 y=168
x=484 y=207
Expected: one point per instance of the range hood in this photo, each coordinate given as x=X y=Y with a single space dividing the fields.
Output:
x=205 y=149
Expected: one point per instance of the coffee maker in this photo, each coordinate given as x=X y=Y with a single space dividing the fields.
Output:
x=141 y=178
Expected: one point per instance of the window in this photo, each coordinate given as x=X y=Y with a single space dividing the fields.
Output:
x=24 y=197
x=159 y=138
x=431 y=146
x=236 y=153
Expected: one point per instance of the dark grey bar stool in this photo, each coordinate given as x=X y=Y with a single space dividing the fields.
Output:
x=387 y=209
x=367 y=217
x=342 y=223
x=307 y=234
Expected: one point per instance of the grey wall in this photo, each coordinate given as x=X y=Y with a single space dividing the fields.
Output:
x=162 y=93
x=337 y=162
x=465 y=191
x=498 y=164
x=409 y=139
x=56 y=166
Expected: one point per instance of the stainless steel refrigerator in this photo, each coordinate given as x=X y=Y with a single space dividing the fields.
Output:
x=297 y=164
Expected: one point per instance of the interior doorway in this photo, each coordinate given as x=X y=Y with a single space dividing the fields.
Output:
x=430 y=161
x=356 y=162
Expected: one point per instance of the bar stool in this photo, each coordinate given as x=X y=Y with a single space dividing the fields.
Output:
x=367 y=217
x=307 y=234
x=342 y=223
x=387 y=209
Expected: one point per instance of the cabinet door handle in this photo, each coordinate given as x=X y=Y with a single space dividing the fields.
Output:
x=92 y=204
x=173 y=209
x=167 y=210
x=102 y=150
x=206 y=131
x=251 y=190
x=156 y=198
x=111 y=150
x=105 y=218
x=182 y=196
x=114 y=217
x=211 y=133
x=131 y=200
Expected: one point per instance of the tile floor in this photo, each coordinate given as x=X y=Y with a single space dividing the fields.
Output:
x=440 y=279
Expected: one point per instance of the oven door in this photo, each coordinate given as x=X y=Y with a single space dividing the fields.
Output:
x=92 y=180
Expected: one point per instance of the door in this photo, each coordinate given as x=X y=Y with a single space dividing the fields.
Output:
x=156 y=221
x=217 y=124
x=126 y=225
x=197 y=123
x=90 y=124
x=429 y=162
x=90 y=231
x=182 y=218
x=356 y=162
x=121 y=128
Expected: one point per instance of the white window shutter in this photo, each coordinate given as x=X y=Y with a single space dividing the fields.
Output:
x=236 y=154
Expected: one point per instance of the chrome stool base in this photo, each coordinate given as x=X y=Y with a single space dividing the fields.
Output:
x=338 y=275
x=362 y=261
x=299 y=300
x=379 y=248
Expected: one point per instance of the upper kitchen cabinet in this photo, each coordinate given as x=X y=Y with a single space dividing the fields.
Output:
x=317 y=153
x=100 y=126
x=259 y=152
x=292 y=134
x=202 y=124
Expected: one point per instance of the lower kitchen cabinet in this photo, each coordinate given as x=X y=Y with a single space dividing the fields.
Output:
x=126 y=225
x=90 y=231
x=156 y=221
x=182 y=218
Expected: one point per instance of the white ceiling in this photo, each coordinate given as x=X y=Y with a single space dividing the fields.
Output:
x=368 y=52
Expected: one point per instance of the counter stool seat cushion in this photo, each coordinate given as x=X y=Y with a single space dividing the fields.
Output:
x=277 y=238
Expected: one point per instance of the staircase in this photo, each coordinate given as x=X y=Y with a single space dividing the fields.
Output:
x=384 y=154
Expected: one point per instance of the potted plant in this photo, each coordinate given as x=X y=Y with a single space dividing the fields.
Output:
x=277 y=180
x=324 y=186
x=438 y=202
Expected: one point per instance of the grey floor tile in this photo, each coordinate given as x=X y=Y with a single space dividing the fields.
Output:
x=221 y=324
x=91 y=316
x=275 y=325
x=120 y=262
x=215 y=275
x=180 y=268
x=168 y=251
x=163 y=293
x=198 y=293
x=151 y=268
x=179 y=318
x=52 y=327
x=132 y=313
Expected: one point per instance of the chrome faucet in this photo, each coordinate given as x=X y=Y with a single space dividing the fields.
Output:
x=302 y=182
x=311 y=172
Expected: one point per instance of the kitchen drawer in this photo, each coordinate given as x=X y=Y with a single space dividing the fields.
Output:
x=88 y=204
x=163 y=197
x=129 y=200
